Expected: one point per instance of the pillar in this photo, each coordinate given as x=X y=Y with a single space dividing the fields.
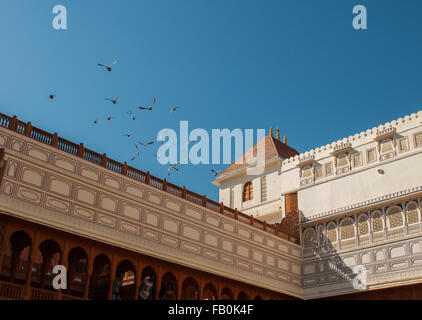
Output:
x=90 y=270
x=32 y=256
x=112 y=275
x=138 y=279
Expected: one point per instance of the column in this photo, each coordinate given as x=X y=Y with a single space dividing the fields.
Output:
x=90 y=270
x=112 y=275
x=158 y=281
x=338 y=234
x=32 y=256
x=357 y=230
x=404 y=212
x=371 y=238
x=4 y=244
x=138 y=279
x=179 y=285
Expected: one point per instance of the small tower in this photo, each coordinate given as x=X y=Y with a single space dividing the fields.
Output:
x=285 y=140
x=278 y=134
x=271 y=131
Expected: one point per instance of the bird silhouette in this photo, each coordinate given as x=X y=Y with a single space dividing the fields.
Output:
x=215 y=172
x=113 y=101
x=174 y=166
x=109 y=118
x=136 y=154
x=51 y=96
x=145 y=144
x=128 y=134
x=131 y=115
x=95 y=121
x=150 y=107
x=109 y=68
x=174 y=109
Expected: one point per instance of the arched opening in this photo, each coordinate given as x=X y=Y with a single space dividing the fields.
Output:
x=168 y=290
x=190 y=289
x=47 y=257
x=242 y=296
x=77 y=271
x=100 y=279
x=226 y=294
x=210 y=292
x=247 y=191
x=127 y=290
x=148 y=288
x=258 y=298
x=16 y=261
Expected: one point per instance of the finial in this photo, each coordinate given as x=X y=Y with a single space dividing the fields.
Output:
x=285 y=140
x=278 y=134
x=271 y=131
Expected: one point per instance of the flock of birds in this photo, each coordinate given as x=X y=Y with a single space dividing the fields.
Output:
x=139 y=144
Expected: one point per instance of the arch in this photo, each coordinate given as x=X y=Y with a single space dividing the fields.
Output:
x=242 y=296
x=363 y=224
x=226 y=294
x=149 y=274
x=258 y=298
x=412 y=212
x=309 y=238
x=332 y=232
x=127 y=268
x=77 y=271
x=190 y=289
x=247 y=191
x=16 y=261
x=377 y=223
x=100 y=279
x=347 y=229
x=209 y=292
x=48 y=256
x=394 y=217
x=168 y=290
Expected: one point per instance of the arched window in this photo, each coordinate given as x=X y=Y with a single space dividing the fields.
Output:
x=309 y=238
x=331 y=232
x=395 y=217
x=247 y=191
x=363 y=224
x=347 y=230
x=412 y=213
x=377 y=224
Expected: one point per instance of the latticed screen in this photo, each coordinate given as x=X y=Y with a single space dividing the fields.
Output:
x=328 y=169
x=371 y=155
x=377 y=222
x=395 y=218
x=412 y=213
x=363 y=225
x=309 y=238
x=418 y=140
x=318 y=172
x=357 y=161
x=386 y=146
x=342 y=161
x=347 y=229
x=403 y=145
x=306 y=172
x=332 y=233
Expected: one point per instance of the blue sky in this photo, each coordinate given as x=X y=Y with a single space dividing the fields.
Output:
x=296 y=64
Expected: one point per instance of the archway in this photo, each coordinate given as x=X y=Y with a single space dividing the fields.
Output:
x=242 y=296
x=100 y=279
x=258 y=298
x=77 y=271
x=50 y=257
x=190 y=289
x=210 y=292
x=168 y=290
x=16 y=261
x=127 y=291
x=149 y=272
x=226 y=294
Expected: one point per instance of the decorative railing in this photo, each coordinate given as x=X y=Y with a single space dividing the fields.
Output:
x=53 y=140
x=40 y=294
x=11 y=291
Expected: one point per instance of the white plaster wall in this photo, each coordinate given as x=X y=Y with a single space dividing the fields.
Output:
x=360 y=186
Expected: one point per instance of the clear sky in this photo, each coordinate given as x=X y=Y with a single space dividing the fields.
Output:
x=296 y=64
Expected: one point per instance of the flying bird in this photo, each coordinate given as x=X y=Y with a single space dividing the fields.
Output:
x=51 y=96
x=113 y=101
x=107 y=67
x=215 y=172
x=136 y=154
x=95 y=121
x=174 y=109
x=128 y=134
x=145 y=144
x=174 y=166
x=150 y=107
x=109 y=118
x=131 y=115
